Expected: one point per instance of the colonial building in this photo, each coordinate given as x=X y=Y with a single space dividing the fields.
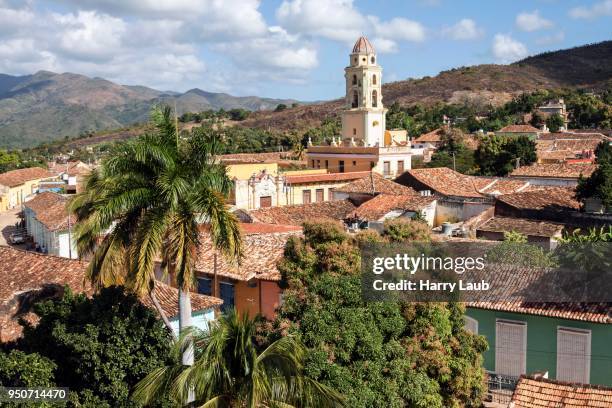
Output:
x=18 y=185
x=48 y=223
x=364 y=144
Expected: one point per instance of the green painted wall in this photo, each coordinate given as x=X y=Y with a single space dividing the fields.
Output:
x=542 y=342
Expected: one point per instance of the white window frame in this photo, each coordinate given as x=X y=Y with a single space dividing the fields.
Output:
x=561 y=358
x=498 y=345
x=471 y=320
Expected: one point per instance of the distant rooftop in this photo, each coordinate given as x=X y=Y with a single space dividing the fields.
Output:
x=554 y=170
x=15 y=178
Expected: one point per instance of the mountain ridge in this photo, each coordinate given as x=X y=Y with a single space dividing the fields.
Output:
x=47 y=106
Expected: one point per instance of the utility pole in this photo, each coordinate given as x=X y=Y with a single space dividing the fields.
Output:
x=69 y=238
x=454 y=164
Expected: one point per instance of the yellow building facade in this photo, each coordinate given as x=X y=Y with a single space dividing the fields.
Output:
x=17 y=185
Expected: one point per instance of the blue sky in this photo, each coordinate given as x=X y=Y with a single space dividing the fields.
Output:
x=282 y=48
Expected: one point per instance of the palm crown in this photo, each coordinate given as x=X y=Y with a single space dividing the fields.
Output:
x=231 y=371
x=146 y=203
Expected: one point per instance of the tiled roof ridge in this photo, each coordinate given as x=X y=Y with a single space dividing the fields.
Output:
x=533 y=377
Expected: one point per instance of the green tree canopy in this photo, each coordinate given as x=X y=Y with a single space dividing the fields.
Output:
x=555 y=122
x=377 y=354
x=99 y=347
x=498 y=155
x=599 y=184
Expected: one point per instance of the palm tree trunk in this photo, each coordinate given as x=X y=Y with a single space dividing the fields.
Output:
x=185 y=323
x=161 y=312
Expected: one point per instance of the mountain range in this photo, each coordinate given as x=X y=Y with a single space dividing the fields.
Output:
x=47 y=106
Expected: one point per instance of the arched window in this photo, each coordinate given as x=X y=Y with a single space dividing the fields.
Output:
x=374 y=98
x=355 y=99
x=354 y=79
x=373 y=60
x=374 y=79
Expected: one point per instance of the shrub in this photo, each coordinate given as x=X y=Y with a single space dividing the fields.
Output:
x=400 y=230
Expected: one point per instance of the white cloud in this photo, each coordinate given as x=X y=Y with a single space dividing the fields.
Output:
x=384 y=45
x=225 y=19
x=400 y=29
x=89 y=35
x=506 y=49
x=465 y=29
x=278 y=50
x=333 y=19
x=602 y=8
x=532 y=21
x=339 y=20
x=130 y=42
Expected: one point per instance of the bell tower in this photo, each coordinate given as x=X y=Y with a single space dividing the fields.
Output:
x=363 y=120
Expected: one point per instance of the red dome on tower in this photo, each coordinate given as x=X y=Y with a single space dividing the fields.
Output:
x=363 y=46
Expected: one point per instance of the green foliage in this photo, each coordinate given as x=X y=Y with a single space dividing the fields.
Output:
x=555 y=122
x=601 y=234
x=324 y=133
x=497 y=155
x=514 y=236
x=100 y=346
x=462 y=161
x=154 y=190
x=599 y=184
x=280 y=107
x=515 y=250
x=377 y=354
x=232 y=370
x=8 y=160
x=18 y=369
x=238 y=114
x=399 y=230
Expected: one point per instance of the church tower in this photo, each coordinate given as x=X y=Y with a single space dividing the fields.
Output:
x=363 y=120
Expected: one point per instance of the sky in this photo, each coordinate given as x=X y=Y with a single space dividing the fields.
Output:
x=282 y=48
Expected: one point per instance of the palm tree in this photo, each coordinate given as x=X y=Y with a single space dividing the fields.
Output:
x=231 y=372
x=146 y=203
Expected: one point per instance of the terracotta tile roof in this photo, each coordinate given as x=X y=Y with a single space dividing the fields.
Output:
x=543 y=198
x=298 y=214
x=317 y=178
x=168 y=299
x=22 y=273
x=260 y=228
x=581 y=134
x=519 y=129
x=253 y=157
x=518 y=278
x=541 y=393
x=446 y=181
x=382 y=204
x=261 y=253
x=496 y=186
x=17 y=177
x=431 y=137
x=522 y=225
x=554 y=170
x=381 y=185
x=50 y=210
